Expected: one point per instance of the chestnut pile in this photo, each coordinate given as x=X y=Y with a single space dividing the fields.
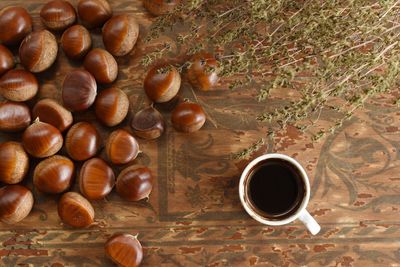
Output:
x=49 y=125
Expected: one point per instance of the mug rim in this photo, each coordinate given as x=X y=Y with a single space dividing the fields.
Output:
x=254 y=214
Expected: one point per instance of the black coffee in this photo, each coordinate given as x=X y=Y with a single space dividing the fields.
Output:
x=275 y=188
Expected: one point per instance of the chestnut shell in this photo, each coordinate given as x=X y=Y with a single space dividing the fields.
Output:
x=49 y=111
x=162 y=83
x=14 y=162
x=96 y=179
x=121 y=147
x=6 y=59
x=111 y=106
x=54 y=175
x=148 y=123
x=94 y=13
x=82 y=141
x=102 y=65
x=75 y=210
x=200 y=73
x=134 y=183
x=38 y=51
x=188 y=117
x=76 y=42
x=58 y=15
x=15 y=24
x=14 y=116
x=42 y=140
x=18 y=85
x=16 y=202
x=160 y=7
x=120 y=34
x=79 y=90
x=124 y=250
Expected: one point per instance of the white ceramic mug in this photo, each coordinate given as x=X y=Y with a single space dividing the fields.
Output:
x=301 y=213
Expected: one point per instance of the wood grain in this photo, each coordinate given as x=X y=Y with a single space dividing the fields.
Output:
x=194 y=216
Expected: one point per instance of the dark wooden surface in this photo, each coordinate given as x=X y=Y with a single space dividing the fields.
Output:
x=194 y=216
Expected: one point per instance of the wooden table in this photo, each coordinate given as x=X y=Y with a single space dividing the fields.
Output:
x=194 y=216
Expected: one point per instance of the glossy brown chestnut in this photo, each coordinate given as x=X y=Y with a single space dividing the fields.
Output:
x=16 y=202
x=79 y=90
x=162 y=83
x=202 y=72
x=101 y=65
x=188 y=117
x=14 y=116
x=134 y=183
x=124 y=250
x=148 y=123
x=94 y=13
x=82 y=141
x=120 y=34
x=160 y=7
x=6 y=60
x=58 y=15
x=38 y=51
x=76 y=42
x=15 y=24
x=42 y=140
x=49 y=111
x=75 y=210
x=121 y=147
x=14 y=162
x=18 y=85
x=53 y=175
x=96 y=179
x=111 y=106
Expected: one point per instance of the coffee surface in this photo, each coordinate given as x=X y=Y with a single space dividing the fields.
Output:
x=275 y=188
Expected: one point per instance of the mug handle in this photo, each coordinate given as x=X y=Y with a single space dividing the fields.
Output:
x=309 y=222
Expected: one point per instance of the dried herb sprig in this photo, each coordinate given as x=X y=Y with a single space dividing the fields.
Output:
x=250 y=150
x=326 y=52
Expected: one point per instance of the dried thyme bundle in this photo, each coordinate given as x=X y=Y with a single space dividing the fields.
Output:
x=334 y=54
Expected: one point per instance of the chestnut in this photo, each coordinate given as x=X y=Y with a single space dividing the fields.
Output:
x=101 y=65
x=134 y=183
x=14 y=116
x=75 y=210
x=188 y=117
x=202 y=73
x=15 y=24
x=160 y=7
x=76 y=42
x=162 y=83
x=18 y=85
x=58 y=15
x=120 y=34
x=6 y=59
x=121 y=147
x=111 y=106
x=38 y=51
x=16 y=202
x=79 y=90
x=14 y=162
x=49 y=111
x=53 y=175
x=124 y=250
x=82 y=141
x=42 y=140
x=94 y=13
x=96 y=179
x=148 y=123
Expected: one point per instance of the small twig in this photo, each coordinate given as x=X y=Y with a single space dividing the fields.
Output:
x=389 y=9
x=385 y=50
